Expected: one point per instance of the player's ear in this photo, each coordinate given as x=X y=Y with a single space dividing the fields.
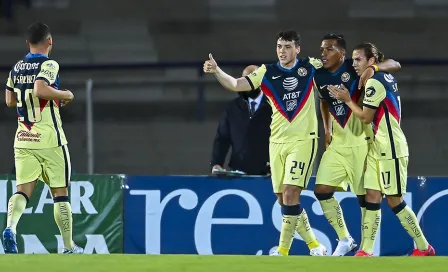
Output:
x=371 y=61
x=297 y=50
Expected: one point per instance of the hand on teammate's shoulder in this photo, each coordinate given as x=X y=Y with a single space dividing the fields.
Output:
x=317 y=63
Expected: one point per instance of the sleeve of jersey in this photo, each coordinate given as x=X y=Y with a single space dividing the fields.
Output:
x=48 y=71
x=10 y=83
x=374 y=94
x=256 y=77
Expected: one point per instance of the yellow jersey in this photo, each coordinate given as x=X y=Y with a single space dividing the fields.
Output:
x=381 y=93
x=39 y=121
x=347 y=129
x=291 y=95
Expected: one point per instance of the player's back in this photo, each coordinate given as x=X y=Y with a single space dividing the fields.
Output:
x=291 y=94
x=39 y=121
x=347 y=129
x=382 y=93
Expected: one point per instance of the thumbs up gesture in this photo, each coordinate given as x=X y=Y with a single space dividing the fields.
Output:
x=210 y=65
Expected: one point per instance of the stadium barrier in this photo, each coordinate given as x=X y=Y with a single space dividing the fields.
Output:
x=97 y=208
x=207 y=215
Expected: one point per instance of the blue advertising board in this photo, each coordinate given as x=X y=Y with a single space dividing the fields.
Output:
x=210 y=215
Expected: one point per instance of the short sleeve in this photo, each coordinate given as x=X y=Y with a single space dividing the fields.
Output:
x=374 y=94
x=48 y=71
x=10 y=83
x=256 y=77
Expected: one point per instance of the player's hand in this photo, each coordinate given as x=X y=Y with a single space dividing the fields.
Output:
x=340 y=92
x=70 y=97
x=328 y=139
x=217 y=167
x=210 y=65
x=368 y=73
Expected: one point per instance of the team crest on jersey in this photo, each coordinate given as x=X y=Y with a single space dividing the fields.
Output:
x=389 y=78
x=345 y=77
x=290 y=83
x=339 y=110
x=370 y=91
x=302 y=71
x=291 y=105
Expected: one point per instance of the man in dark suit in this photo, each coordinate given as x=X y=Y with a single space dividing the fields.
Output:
x=245 y=127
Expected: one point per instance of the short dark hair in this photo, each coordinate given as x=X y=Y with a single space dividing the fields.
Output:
x=340 y=41
x=37 y=33
x=371 y=51
x=289 y=36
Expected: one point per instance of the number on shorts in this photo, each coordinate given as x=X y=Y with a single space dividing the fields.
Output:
x=31 y=105
x=386 y=178
x=294 y=166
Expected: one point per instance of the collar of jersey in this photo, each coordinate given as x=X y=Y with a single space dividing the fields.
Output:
x=339 y=70
x=288 y=70
x=30 y=56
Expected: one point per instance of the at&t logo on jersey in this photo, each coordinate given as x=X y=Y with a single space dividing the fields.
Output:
x=290 y=83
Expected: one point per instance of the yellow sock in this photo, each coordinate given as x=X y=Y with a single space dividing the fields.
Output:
x=305 y=231
x=63 y=218
x=410 y=223
x=363 y=213
x=16 y=207
x=371 y=224
x=333 y=212
x=287 y=233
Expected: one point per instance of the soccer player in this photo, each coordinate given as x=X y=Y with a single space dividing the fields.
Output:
x=346 y=137
x=40 y=146
x=387 y=159
x=289 y=86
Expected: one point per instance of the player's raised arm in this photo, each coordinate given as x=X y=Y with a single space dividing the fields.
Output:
x=388 y=66
x=10 y=96
x=46 y=77
x=234 y=84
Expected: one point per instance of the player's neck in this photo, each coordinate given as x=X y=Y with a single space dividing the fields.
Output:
x=37 y=50
x=336 y=68
x=289 y=65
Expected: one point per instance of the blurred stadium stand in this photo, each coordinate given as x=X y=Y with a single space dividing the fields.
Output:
x=161 y=118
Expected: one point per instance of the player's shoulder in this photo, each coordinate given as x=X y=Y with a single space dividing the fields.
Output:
x=50 y=64
x=384 y=78
x=310 y=61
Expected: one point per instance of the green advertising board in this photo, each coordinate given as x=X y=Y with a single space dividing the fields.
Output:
x=97 y=208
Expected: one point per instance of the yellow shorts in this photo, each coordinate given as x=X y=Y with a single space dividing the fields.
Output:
x=291 y=163
x=387 y=176
x=51 y=165
x=343 y=166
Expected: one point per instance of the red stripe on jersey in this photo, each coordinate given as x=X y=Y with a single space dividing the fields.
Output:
x=269 y=93
x=42 y=104
x=392 y=109
x=305 y=99
x=28 y=126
